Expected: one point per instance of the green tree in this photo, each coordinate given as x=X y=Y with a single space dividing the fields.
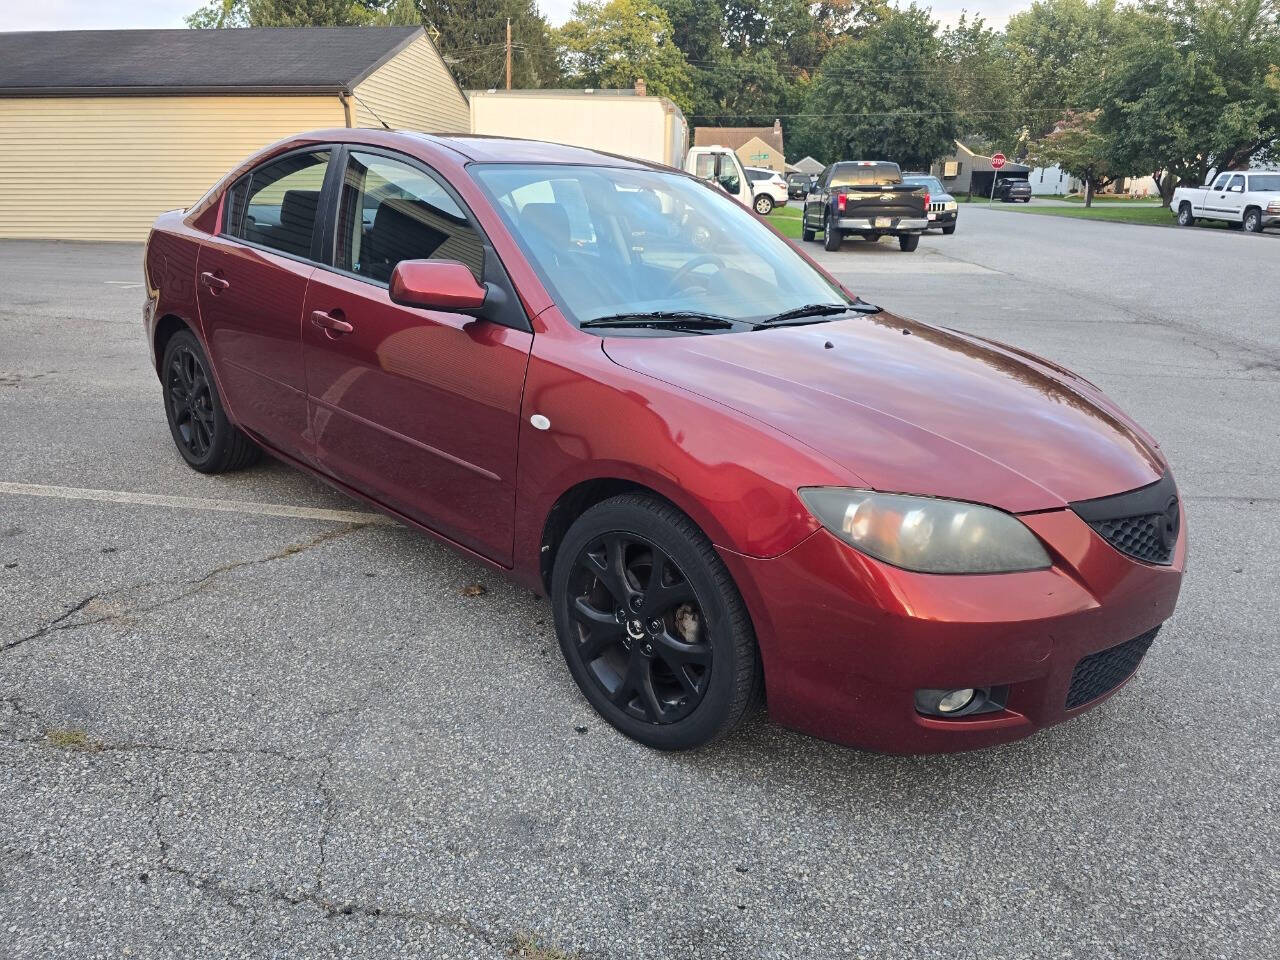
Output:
x=754 y=60
x=883 y=96
x=979 y=70
x=1056 y=51
x=1197 y=89
x=1078 y=147
x=471 y=34
x=613 y=43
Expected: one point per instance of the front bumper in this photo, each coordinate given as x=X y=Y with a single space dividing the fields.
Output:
x=942 y=218
x=895 y=224
x=846 y=640
x=1270 y=219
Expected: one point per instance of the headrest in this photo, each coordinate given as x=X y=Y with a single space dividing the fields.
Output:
x=298 y=208
x=549 y=222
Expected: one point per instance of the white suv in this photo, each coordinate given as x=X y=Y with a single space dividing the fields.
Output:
x=769 y=188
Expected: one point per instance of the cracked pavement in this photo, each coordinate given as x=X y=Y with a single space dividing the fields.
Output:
x=239 y=734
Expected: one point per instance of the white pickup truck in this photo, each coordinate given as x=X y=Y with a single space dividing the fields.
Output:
x=1242 y=199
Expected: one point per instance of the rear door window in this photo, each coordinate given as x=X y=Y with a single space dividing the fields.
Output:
x=276 y=205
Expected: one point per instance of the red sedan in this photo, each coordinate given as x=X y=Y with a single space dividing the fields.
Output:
x=731 y=476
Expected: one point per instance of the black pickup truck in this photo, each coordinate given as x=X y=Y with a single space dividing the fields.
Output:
x=867 y=198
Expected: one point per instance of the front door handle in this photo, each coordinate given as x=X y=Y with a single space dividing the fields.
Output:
x=330 y=323
x=214 y=282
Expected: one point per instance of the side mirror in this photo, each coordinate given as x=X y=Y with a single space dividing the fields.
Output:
x=435 y=285
x=729 y=181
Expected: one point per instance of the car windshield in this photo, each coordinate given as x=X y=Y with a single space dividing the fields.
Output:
x=931 y=183
x=1268 y=184
x=610 y=241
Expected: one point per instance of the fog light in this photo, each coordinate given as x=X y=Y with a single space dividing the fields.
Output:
x=955 y=700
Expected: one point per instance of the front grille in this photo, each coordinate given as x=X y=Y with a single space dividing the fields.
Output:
x=937 y=206
x=1142 y=523
x=1102 y=672
x=1143 y=538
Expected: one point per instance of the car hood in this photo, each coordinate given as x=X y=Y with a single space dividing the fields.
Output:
x=912 y=408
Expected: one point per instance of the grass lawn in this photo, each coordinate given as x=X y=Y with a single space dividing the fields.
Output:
x=1110 y=198
x=1151 y=214
x=786 y=220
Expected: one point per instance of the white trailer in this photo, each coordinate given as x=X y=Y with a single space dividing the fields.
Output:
x=626 y=122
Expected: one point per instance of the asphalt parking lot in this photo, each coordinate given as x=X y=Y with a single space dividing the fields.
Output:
x=286 y=727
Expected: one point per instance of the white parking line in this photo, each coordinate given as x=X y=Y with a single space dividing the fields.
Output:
x=193 y=503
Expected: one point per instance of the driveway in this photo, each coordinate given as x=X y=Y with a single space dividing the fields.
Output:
x=241 y=716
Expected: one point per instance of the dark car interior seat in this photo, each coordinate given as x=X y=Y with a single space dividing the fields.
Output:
x=399 y=232
x=297 y=222
x=546 y=225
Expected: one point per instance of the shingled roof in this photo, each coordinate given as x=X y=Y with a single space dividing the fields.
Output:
x=735 y=137
x=249 y=60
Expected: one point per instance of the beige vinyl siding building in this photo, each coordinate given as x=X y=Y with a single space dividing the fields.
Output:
x=100 y=131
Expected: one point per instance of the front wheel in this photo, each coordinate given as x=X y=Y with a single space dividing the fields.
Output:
x=207 y=440
x=764 y=204
x=1185 y=219
x=806 y=234
x=652 y=626
x=909 y=242
x=1252 y=221
x=948 y=231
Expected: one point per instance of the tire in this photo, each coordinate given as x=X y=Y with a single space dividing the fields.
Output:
x=909 y=242
x=697 y=625
x=1185 y=219
x=1252 y=222
x=831 y=236
x=948 y=231
x=806 y=233
x=207 y=440
x=764 y=204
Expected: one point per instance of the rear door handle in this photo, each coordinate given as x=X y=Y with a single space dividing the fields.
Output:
x=327 y=321
x=214 y=282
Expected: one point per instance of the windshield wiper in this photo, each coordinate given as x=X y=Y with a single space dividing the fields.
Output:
x=820 y=310
x=671 y=319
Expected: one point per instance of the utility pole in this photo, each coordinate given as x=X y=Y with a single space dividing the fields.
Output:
x=508 y=53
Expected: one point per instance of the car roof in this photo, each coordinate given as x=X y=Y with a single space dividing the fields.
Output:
x=514 y=150
x=467 y=147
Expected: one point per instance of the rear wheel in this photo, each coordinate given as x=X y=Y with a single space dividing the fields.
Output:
x=207 y=440
x=1185 y=219
x=1253 y=220
x=909 y=242
x=831 y=234
x=764 y=204
x=651 y=625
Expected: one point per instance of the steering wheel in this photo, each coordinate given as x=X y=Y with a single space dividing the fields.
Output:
x=678 y=277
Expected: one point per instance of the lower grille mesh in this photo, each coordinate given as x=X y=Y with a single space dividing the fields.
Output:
x=1105 y=670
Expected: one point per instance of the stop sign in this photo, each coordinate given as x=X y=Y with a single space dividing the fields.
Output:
x=997 y=161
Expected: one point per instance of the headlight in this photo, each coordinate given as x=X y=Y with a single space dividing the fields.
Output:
x=924 y=534
x=950 y=205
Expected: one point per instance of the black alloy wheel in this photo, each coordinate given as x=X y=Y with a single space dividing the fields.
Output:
x=651 y=625
x=207 y=440
x=190 y=398
x=641 y=632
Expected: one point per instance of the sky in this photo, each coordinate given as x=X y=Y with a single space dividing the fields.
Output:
x=96 y=15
